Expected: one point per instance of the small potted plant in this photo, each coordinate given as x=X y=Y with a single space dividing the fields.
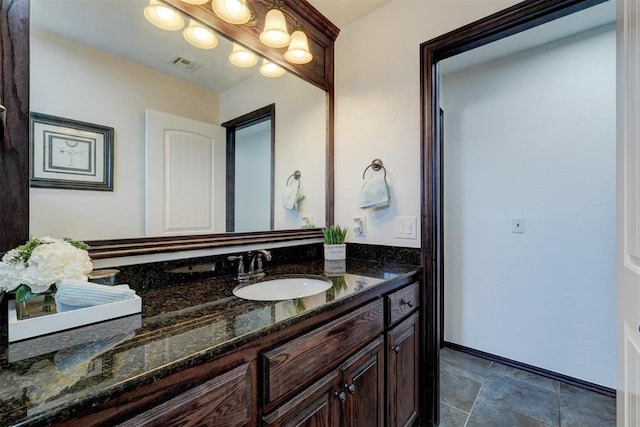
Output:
x=334 y=246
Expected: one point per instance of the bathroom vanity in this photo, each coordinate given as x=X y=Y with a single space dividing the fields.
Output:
x=199 y=355
x=356 y=354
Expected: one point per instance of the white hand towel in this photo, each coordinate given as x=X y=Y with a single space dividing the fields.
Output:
x=292 y=194
x=73 y=294
x=375 y=192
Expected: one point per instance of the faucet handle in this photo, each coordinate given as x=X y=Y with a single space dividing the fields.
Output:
x=266 y=254
x=240 y=260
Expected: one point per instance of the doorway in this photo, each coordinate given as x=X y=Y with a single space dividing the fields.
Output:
x=250 y=165
x=501 y=25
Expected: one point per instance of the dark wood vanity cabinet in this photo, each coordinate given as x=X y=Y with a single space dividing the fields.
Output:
x=351 y=395
x=363 y=387
x=317 y=405
x=402 y=373
x=222 y=401
x=353 y=365
x=403 y=356
x=384 y=373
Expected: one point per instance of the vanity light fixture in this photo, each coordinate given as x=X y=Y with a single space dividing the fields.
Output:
x=275 y=32
x=269 y=69
x=199 y=36
x=232 y=11
x=298 y=52
x=163 y=16
x=242 y=57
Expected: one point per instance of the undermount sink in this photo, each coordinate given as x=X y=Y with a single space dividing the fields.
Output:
x=282 y=289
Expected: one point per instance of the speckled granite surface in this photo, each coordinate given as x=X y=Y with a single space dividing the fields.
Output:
x=181 y=325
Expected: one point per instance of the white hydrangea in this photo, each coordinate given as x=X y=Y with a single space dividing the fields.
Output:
x=49 y=264
x=10 y=274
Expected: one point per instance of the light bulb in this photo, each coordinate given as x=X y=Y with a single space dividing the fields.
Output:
x=269 y=69
x=195 y=1
x=232 y=11
x=298 y=52
x=199 y=36
x=275 y=32
x=241 y=57
x=163 y=16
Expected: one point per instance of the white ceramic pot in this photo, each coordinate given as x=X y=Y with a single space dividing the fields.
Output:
x=335 y=252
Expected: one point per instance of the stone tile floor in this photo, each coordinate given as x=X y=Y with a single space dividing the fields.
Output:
x=476 y=392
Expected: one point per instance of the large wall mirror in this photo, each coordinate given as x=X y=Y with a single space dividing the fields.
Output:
x=102 y=62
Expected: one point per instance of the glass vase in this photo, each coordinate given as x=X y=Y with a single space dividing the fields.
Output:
x=40 y=305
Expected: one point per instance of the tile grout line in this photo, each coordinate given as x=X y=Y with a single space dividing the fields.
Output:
x=474 y=402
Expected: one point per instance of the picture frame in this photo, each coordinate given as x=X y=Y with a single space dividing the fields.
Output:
x=70 y=154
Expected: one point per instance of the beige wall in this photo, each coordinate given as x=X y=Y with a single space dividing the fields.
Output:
x=378 y=104
x=73 y=81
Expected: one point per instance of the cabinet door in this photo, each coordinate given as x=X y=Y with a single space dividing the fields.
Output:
x=363 y=382
x=222 y=401
x=316 y=406
x=403 y=383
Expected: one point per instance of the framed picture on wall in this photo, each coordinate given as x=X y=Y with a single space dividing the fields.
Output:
x=70 y=154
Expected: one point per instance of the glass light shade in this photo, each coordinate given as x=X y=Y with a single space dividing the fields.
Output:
x=275 y=32
x=298 y=52
x=163 y=16
x=232 y=11
x=241 y=57
x=269 y=69
x=199 y=36
x=195 y=1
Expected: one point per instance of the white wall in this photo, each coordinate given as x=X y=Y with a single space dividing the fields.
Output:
x=533 y=136
x=75 y=82
x=378 y=105
x=300 y=138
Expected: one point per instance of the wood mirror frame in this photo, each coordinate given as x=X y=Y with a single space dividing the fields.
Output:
x=14 y=142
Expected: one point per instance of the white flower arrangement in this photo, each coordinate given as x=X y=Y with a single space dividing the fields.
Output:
x=41 y=263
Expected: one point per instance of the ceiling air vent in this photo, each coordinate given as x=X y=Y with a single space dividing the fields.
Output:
x=184 y=63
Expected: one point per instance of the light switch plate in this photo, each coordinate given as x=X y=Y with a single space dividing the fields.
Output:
x=406 y=227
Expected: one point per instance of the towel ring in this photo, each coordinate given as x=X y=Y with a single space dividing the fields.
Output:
x=295 y=175
x=376 y=165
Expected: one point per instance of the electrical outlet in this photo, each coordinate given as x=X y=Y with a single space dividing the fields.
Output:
x=359 y=226
x=517 y=225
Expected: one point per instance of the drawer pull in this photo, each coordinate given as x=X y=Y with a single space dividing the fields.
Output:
x=408 y=303
x=342 y=396
x=351 y=388
x=396 y=349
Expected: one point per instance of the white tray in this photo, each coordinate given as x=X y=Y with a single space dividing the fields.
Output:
x=29 y=328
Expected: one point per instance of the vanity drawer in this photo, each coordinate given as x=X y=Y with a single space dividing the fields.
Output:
x=402 y=302
x=224 y=400
x=292 y=365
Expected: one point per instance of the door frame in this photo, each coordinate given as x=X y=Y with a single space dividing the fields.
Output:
x=233 y=125
x=505 y=23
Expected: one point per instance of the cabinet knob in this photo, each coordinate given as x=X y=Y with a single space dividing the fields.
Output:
x=407 y=303
x=396 y=349
x=342 y=396
x=351 y=388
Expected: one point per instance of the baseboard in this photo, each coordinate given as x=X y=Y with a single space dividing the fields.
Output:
x=535 y=370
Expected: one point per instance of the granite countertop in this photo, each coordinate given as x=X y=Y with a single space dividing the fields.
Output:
x=181 y=325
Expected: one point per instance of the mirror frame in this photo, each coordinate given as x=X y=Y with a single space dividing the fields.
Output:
x=14 y=142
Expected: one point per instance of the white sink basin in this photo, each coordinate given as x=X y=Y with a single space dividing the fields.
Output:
x=282 y=289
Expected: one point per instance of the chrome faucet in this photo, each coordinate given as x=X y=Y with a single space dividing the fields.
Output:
x=242 y=276
x=255 y=264
x=255 y=267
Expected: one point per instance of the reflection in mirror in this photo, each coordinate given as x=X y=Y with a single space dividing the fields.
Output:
x=250 y=148
x=101 y=62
